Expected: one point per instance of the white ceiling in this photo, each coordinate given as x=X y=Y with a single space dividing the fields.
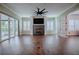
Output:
x=27 y=9
x=75 y=12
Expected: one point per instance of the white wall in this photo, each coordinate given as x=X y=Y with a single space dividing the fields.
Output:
x=31 y=25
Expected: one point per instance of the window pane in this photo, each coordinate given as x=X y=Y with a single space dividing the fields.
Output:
x=12 y=27
x=4 y=17
x=16 y=27
x=71 y=24
x=50 y=25
x=4 y=30
x=26 y=25
x=76 y=25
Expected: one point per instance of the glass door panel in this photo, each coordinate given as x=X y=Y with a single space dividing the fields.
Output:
x=12 y=30
x=16 y=27
x=4 y=30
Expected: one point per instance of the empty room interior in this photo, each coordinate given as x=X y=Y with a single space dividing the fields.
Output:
x=39 y=28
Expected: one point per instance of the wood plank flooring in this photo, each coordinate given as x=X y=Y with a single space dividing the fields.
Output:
x=40 y=45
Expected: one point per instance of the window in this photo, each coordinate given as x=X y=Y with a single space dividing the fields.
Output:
x=26 y=25
x=4 y=27
x=4 y=30
x=12 y=28
x=76 y=25
x=8 y=27
x=16 y=27
x=73 y=25
x=50 y=25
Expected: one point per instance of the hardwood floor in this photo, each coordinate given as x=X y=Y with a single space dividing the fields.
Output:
x=40 y=45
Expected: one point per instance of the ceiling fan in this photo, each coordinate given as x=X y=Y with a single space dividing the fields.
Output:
x=40 y=12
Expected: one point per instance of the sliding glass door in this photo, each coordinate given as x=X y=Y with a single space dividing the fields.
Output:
x=4 y=30
x=8 y=27
x=4 y=27
x=16 y=27
x=12 y=29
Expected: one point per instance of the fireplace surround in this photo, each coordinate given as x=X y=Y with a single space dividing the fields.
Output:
x=38 y=26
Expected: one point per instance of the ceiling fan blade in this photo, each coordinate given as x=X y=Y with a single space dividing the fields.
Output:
x=35 y=11
x=45 y=12
x=42 y=10
x=38 y=9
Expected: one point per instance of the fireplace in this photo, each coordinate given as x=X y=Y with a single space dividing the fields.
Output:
x=38 y=29
x=38 y=26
